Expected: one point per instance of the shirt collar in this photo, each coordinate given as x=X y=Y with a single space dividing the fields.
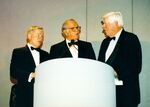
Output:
x=30 y=45
x=68 y=41
x=117 y=35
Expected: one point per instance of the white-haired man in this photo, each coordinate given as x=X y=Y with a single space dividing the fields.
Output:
x=122 y=50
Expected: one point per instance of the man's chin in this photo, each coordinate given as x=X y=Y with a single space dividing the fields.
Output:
x=40 y=45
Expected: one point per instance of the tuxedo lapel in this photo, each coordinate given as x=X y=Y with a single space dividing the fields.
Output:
x=113 y=55
x=29 y=56
x=103 y=49
x=80 y=49
x=115 y=51
x=65 y=50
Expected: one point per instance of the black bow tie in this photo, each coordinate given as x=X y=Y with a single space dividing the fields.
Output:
x=37 y=49
x=73 y=43
x=111 y=38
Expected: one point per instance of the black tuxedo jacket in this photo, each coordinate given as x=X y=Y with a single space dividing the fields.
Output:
x=61 y=50
x=126 y=59
x=22 y=64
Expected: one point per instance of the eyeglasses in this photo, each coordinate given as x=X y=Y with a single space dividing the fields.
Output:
x=72 y=28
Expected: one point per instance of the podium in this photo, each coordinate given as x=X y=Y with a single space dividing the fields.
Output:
x=70 y=82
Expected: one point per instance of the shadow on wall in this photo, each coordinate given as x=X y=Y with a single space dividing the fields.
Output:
x=96 y=47
x=4 y=77
x=145 y=75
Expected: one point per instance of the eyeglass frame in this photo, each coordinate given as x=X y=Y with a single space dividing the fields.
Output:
x=72 y=28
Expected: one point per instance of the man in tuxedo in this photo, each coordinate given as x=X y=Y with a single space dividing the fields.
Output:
x=72 y=46
x=122 y=50
x=22 y=67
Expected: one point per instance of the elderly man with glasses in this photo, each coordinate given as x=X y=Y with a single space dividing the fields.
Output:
x=71 y=46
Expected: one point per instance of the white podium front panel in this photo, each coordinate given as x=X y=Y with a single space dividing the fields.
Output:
x=69 y=82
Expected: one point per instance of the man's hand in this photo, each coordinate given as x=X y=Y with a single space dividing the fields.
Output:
x=33 y=74
x=13 y=80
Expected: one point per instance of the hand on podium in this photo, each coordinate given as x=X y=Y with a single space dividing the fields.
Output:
x=117 y=81
x=31 y=76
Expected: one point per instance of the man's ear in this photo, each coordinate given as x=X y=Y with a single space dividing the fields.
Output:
x=29 y=36
x=65 y=32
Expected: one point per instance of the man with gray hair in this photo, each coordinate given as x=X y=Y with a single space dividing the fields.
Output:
x=122 y=50
x=71 y=46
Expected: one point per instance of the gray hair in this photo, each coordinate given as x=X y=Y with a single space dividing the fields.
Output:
x=114 y=17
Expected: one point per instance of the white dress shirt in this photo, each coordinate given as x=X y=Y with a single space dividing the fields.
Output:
x=112 y=45
x=73 y=49
x=36 y=57
x=109 y=51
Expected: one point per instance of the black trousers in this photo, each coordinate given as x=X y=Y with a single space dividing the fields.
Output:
x=12 y=100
